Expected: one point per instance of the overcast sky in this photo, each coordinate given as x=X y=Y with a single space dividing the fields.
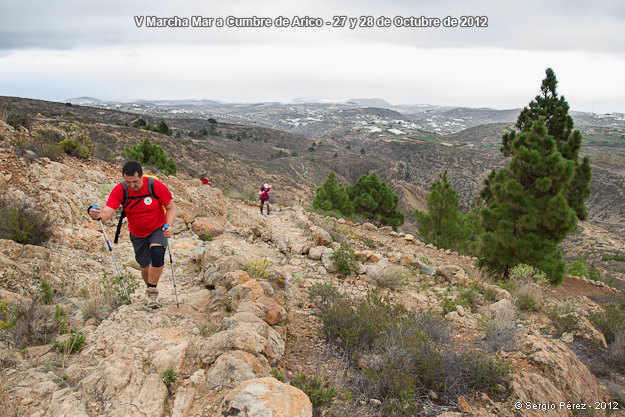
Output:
x=69 y=48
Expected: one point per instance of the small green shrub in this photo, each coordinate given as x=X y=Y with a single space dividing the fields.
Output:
x=594 y=273
x=499 y=332
x=509 y=285
x=578 y=268
x=404 y=406
x=610 y=321
x=356 y=324
x=24 y=224
x=68 y=145
x=320 y=393
x=490 y=293
x=6 y=316
x=564 y=319
x=60 y=320
x=618 y=258
x=169 y=377
x=206 y=331
x=528 y=297
x=74 y=343
x=345 y=260
x=28 y=324
x=277 y=374
x=208 y=237
x=17 y=119
x=483 y=372
x=45 y=291
x=113 y=289
x=148 y=153
x=45 y=143
x=140 y=123
x=467 y=298
x=523 y=272
x=78 y=146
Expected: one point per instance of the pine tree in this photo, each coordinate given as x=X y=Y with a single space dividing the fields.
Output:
x=528 y=214
x=163 y=128
x=554 y=111
x=375 y=200
x=332 y=195
x=443 y=225
x=535 y=202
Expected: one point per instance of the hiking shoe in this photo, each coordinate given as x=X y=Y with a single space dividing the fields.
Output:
x=152 y=295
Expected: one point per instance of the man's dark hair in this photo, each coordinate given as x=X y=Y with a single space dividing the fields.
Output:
x=131 y=167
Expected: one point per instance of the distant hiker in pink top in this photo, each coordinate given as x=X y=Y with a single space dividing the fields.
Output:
x=263 y=196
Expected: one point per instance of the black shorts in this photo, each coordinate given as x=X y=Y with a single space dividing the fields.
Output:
x=142 y=246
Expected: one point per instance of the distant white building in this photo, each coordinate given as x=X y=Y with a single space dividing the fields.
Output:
x=397 y=131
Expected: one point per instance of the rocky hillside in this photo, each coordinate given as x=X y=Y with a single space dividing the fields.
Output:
x=248 y=321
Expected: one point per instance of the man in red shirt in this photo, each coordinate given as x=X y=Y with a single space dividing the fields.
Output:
x=146 y=221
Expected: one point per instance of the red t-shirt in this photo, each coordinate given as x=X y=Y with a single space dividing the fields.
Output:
x=147 y=215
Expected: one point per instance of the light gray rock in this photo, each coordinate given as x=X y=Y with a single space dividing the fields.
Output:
x=327 y=261
x=152 y=397
x=266 y=397
x=315 y=252
x=171 y=356
x=183 y=402
x=234 y=367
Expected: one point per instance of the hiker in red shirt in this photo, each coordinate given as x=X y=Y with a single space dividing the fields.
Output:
x=263 y=196
x=146 y=221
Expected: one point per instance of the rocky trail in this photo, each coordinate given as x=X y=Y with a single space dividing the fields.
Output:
x=246 y=315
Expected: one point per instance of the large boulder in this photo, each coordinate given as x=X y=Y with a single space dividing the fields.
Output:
x=315 y=252
x=242 y=331
x=203 y=225
x=566 y=371
x=234 y=367
x=274 y=346
x=321 y=236
x=266 y=397
x=531 y=388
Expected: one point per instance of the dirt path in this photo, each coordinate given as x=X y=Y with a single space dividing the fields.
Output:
x=572 y=287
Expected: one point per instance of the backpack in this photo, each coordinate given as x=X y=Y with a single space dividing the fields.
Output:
x=128 y=201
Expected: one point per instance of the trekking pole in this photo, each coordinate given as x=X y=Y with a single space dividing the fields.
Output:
x=171 y=262
x=113 y=255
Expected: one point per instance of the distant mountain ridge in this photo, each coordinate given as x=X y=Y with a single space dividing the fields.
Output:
x=370 y=102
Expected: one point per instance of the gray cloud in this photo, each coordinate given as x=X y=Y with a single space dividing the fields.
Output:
x=555 y=25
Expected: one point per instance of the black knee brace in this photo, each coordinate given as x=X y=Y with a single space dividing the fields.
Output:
x=158 y=255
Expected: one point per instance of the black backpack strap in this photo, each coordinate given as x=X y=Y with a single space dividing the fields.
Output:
x=121 y=217
x=151 y=187
x=125 y=190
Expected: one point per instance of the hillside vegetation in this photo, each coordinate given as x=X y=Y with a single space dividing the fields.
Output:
x=421 y=330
